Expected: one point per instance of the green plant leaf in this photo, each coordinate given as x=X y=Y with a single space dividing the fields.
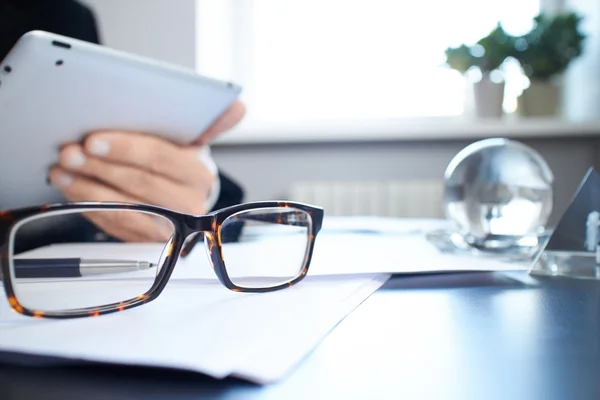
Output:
x=550 y=47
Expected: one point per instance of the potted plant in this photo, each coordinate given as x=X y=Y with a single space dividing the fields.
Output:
x=487 y=56
x=545 y=53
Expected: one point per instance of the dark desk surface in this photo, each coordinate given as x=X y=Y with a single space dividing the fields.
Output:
x=469 y=336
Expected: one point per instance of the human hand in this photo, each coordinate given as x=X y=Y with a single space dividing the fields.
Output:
x=139 y=168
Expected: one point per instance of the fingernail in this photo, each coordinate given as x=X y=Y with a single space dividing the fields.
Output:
x=205 y=157
x=63 y=180
x=99 y=147
x=204 y=151
x=76 y=159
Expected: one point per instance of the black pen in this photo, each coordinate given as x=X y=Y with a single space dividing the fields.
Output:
x=74 y=267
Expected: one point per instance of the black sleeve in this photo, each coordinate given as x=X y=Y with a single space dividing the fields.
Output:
x=70 y=18
x=79 y=23
x=63 y=17
x=231 y=193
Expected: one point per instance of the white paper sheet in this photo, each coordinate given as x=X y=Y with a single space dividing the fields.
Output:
x=400 y=242
x=357 y=253
x=382 y=225
x=200 y=327
x=346 y=245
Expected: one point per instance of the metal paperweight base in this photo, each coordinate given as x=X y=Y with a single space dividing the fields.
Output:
x=573 y=264
x=504 y=247
x=573 y=249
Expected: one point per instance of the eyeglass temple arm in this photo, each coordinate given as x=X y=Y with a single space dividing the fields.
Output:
x=291 y=217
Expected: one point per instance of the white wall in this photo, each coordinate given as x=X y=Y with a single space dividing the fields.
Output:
x=582 y=92
x=161 y=29
x=266 y=171
x=165 y=29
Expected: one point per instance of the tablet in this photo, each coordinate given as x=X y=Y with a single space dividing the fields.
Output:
x=55 y=89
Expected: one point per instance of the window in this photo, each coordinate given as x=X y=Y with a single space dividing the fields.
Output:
x=341 y=60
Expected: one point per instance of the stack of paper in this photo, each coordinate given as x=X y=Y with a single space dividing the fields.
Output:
x=201 y=327
x=198 y=325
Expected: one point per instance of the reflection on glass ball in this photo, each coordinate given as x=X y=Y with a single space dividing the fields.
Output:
x=497 y=191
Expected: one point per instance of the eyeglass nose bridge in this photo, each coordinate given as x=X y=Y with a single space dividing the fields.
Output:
x=201 y=223
x=194 y=228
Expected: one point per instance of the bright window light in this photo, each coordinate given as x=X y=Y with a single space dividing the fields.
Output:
x=314 y=60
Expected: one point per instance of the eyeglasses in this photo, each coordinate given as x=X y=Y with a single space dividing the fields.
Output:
x=56 y=263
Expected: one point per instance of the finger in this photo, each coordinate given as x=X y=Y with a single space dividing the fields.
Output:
x=147 y=152
x=225 y=122
x=131 y=226
x=124 y=225
x=141 y=184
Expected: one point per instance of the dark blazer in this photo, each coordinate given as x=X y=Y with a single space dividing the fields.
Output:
x=73 y=19
x=63 y=17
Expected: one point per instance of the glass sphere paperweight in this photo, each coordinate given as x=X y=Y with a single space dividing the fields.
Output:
x=498 y=194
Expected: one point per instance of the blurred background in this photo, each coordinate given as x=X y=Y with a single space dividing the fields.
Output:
x=359 y=105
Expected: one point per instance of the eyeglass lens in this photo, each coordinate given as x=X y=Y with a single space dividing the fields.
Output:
x=271 y=249
x=58 y=265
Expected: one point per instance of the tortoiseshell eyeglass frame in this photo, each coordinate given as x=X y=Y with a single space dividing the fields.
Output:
x=185 y=225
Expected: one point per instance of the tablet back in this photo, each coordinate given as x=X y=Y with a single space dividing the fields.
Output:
x=54 y=90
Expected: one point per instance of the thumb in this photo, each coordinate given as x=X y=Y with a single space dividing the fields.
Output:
x=225 y=122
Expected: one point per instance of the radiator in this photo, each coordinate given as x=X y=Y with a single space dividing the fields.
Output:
x=408 y=199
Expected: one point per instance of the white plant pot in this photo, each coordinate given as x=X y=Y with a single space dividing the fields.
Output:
x=488 y=97
x=540 y=99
